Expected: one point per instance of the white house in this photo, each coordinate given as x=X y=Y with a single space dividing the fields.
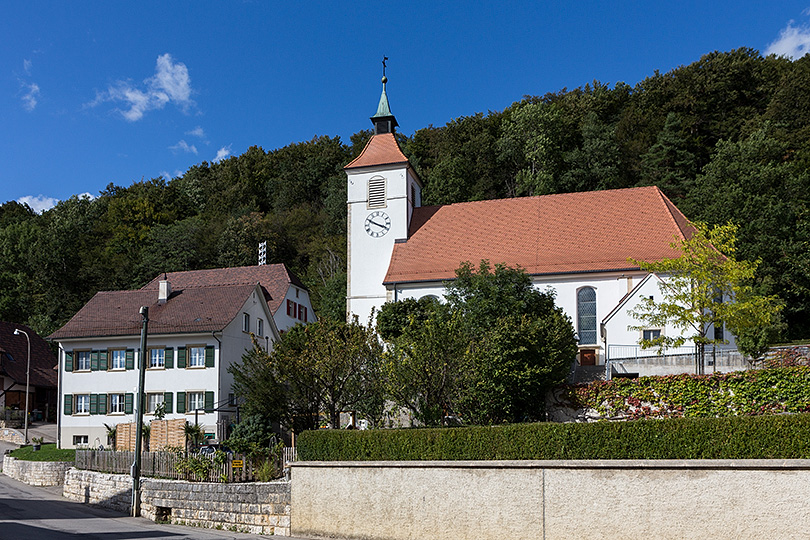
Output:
x=200 y=323
x=580 y=245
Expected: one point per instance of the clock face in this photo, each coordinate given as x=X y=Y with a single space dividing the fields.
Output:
x=377 y=224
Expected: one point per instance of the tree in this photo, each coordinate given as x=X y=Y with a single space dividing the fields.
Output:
x=520 y=343
x=705 y=287
x=425 y=362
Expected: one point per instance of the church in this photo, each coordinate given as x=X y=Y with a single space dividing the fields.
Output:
x=578 y=245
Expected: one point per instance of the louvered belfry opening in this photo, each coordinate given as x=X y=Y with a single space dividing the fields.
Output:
x=376 y=192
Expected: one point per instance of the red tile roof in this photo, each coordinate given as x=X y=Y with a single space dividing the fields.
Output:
x=551 y=234
x=14 y=357
x=381 y=149
x=275 y=278
x=188 y=310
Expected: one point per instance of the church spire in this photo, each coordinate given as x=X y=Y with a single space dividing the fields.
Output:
x=384 y=121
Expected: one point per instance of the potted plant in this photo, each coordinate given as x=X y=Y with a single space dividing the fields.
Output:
x=36 y=443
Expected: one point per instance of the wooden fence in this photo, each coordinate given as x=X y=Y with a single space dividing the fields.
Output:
x=235 y=468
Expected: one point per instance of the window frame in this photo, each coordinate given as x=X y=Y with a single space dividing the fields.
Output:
x=190 y=356
x=77 y=355
x=245 y=322
x=110 y=403
x=149 y=408
x=580 y=304
x=77 y=398
x=260 y=327
x=189 y=394
x=78 y=442
x=112 y=359
x=161 y=353
x=651 y=330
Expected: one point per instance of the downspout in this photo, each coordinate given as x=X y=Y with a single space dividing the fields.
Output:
x=59 y=398
x=219 y=389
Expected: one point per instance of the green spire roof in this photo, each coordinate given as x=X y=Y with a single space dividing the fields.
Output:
x=383 y=109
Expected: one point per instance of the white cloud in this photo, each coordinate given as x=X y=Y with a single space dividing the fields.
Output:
x=168 y=177
x=184 y=146
x=793 y=42
x=86 y=195
x=170 y=84
x=39 y=204
x=29 y=98
x=27 y=66
x=197 y=132
x=222 y=153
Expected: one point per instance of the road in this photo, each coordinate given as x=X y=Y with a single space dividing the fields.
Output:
x=28 y=513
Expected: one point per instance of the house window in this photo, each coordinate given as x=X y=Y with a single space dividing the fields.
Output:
x=292 y=309
x=196 y=400
x=649 y=335
x=157 y=358
x=116 y=403
x=196 y=357
x=246 y=323
x=83 y=361
x=119 y=359
x=586 y=315
x=718 y=331
x=376 y=192
x=153 y=401
x=80 y=440
x=231 y=399
x=302 y=313
x=82 y=404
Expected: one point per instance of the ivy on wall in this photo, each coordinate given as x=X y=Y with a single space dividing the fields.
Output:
x=755 y=392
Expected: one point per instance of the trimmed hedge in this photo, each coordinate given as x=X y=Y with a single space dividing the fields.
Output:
x=744 y=437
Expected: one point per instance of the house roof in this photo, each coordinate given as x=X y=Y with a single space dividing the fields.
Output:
x=275 y=278
x=381 y=149
x=14 y=357
x=188 y=310
x=550 y=234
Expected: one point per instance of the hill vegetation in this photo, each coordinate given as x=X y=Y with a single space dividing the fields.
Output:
x=726 y=138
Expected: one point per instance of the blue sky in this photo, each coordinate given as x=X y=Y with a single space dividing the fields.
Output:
x=93 y=93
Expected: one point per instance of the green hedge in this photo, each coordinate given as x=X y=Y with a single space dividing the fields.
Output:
x=753 y=392
x=744 y=437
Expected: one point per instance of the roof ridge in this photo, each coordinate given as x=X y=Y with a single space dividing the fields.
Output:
x=670 y=209
x=382 y=136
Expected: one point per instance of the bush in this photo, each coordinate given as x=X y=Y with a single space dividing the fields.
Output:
x=744 y=437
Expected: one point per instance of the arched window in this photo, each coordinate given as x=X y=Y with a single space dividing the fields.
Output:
x=586 y=315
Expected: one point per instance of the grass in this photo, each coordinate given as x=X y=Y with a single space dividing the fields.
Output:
x=48 y=452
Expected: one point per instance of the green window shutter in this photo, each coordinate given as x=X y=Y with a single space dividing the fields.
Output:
x=102 y=361
x=168 y=359
x=181 y=402
x=93 y=403
x=102 y=404
x=68 y=405
x=167 y=402
x=94 y=361
x=128 y=399
x=130 y=359
x=181 y=357
x=209 y=356
x=68 y=361
x=209 y=402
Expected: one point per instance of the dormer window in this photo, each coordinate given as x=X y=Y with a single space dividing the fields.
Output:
x=377 y=192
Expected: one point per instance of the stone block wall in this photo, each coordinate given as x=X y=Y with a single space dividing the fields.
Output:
x=11 y=435
x=257 y=508
x=36 y=473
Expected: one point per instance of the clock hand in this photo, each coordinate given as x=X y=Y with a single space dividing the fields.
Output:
x=377 y=224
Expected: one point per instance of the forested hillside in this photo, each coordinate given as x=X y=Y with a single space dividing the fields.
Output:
x=727 y=138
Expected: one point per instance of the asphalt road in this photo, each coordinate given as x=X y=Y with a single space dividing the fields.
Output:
x=30 y=513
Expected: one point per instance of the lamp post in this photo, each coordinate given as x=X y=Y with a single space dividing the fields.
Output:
x=17 y=332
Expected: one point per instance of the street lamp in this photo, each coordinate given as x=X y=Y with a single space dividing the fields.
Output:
x=17 y=332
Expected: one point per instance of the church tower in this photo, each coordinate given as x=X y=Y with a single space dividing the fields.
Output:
x=382 y=193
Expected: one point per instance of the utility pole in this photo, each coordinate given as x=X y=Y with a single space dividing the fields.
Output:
x=136 y=466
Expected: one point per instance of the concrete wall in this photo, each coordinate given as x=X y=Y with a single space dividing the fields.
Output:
x=36 y=473
x=552 y=500
x=258 y=508
x=11 y=435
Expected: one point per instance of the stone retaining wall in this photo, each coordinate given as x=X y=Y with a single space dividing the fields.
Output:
x=258 y=508
x=515 y=500
x=36 y=473
x=11 y=435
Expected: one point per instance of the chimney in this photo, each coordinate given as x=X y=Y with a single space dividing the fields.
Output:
x=164 y=290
